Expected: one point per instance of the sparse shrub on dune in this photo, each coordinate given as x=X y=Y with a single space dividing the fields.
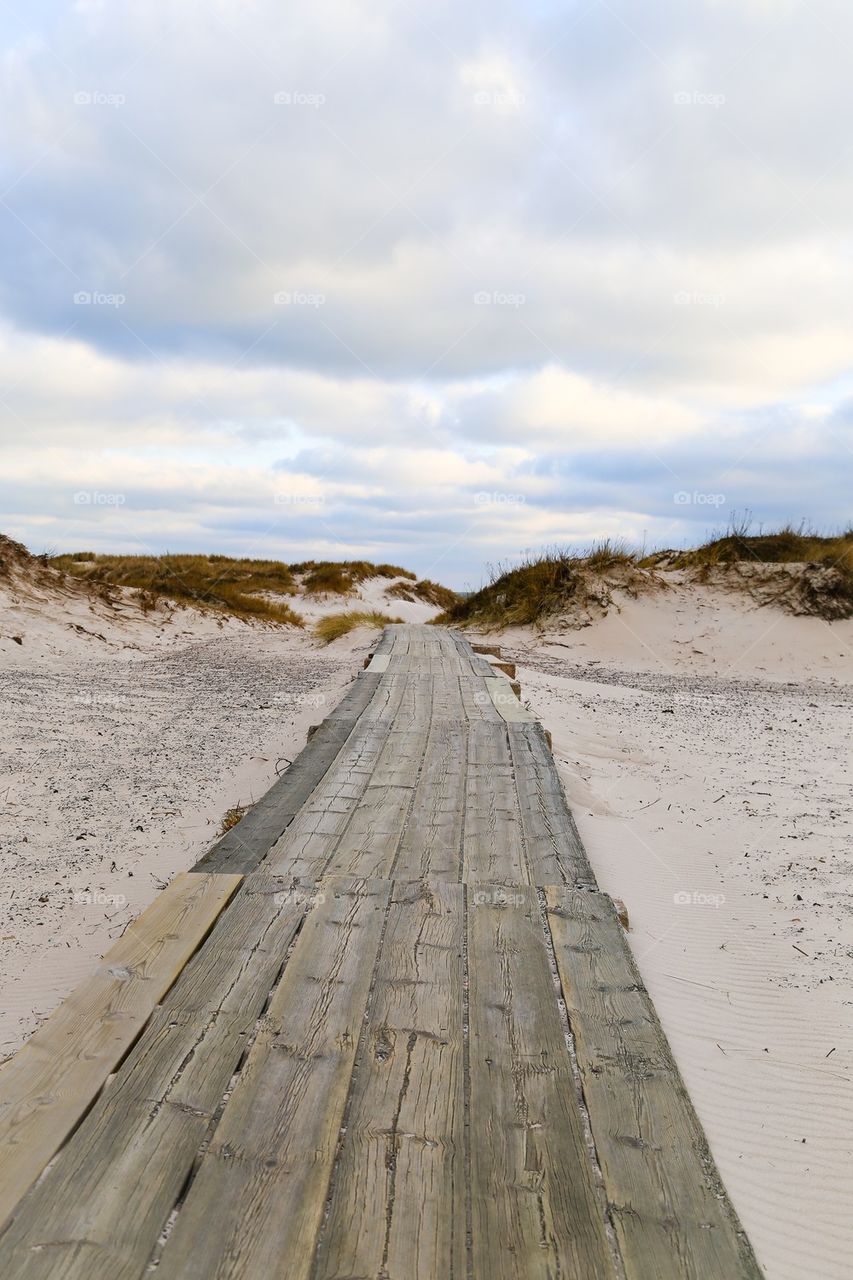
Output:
x=335 y=625
x=239 y=587
x=552 y=583
x=429 y=592
x=796 y=569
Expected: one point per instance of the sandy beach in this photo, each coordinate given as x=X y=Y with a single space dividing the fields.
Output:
x=705 y=748
x=704 y=745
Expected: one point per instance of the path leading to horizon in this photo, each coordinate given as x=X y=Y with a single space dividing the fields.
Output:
x=388 y=1027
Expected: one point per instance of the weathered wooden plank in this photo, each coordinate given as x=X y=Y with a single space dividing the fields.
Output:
x=99 y=1211
x=48 y=1086
x=255 y=1206
x=554 y=849
x=493 y=844
x=508 y=705
x=432 y=840
x=667 y=1204
x=369 y=843
x=477 y=700
x=243 y=847
x=398 y=1206
x=534 y=1209
x=308 y=843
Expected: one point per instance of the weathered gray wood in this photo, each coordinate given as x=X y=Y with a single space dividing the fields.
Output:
x=493 y=842
x=671 y=1216
x=554 y=849
x=256 y=1203
x=398 y=1206
x=100 y=1209
x=243 y=847
x=432 y=841
x=534 y=1209
x=49 y=1085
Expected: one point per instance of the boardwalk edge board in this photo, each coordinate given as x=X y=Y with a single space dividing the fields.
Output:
x=50 y=1083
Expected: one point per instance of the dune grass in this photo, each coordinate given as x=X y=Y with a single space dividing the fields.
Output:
x=544 y=585
x=219 y=583
x=342 y=577
x=426 y=590
x=795 y=569
x=335 y=625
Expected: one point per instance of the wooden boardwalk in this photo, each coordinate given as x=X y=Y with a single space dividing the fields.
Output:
x=388 y=1028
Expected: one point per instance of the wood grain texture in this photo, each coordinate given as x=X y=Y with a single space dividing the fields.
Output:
x=398 y=1200
x=554 y=849
x=493 y=844
x=666 y=1201
x=98 y=1212
x=534 y=1209
x=48 y=1086
x=254 y=1208
x=244 y=847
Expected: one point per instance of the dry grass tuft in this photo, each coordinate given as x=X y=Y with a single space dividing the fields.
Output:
x=231 y=817
x=336 y=625
x=555 y=582
x=797 y=570
x=219 y=583
x=429 y=592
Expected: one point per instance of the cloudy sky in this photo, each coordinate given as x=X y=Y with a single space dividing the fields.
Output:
x=428 y=282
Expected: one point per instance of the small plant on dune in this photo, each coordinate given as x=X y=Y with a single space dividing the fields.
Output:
x=336 y=625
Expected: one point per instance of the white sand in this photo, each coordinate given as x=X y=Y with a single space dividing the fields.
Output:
x=705 y=749
x=125 y=740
